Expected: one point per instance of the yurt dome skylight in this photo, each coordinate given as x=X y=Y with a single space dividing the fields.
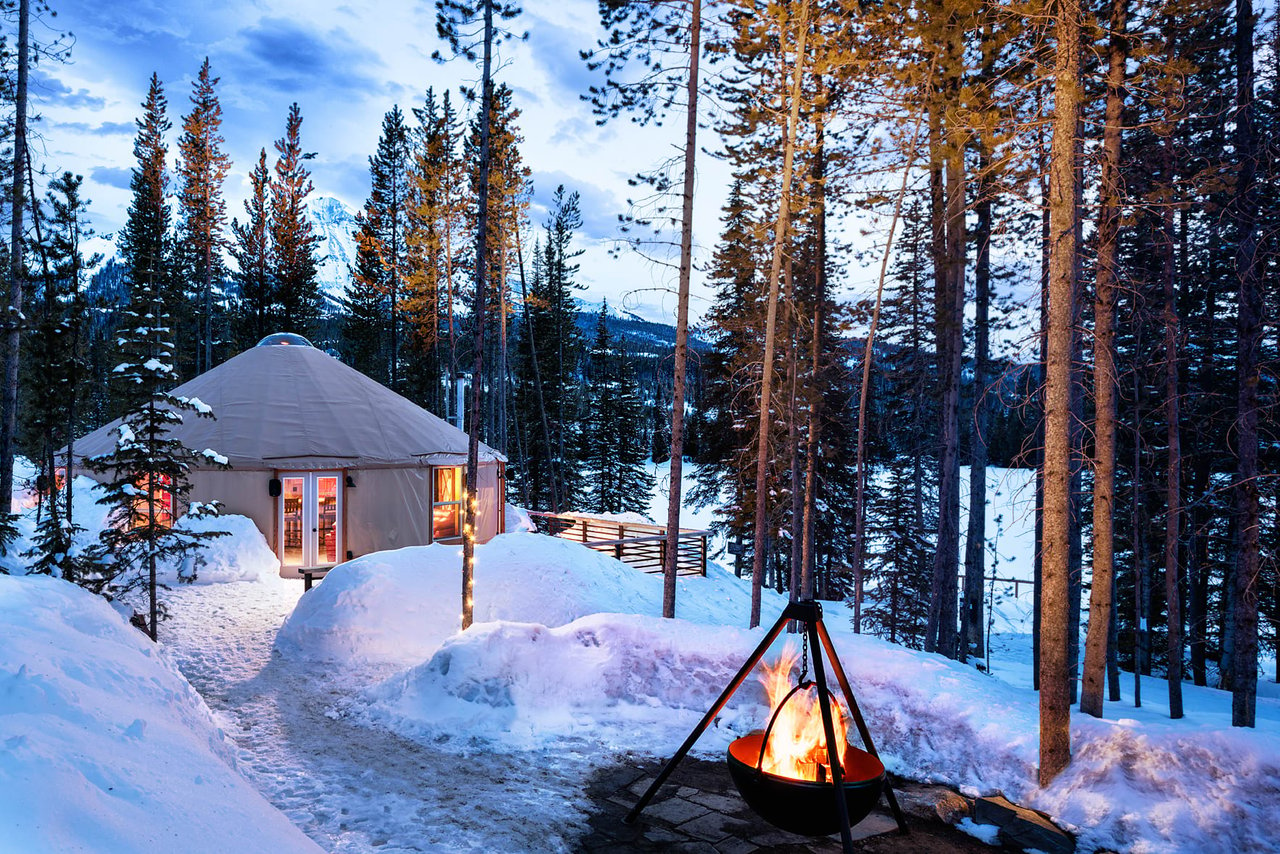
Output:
x=278 y=338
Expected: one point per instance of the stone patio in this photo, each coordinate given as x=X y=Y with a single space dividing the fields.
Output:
x=699 y=810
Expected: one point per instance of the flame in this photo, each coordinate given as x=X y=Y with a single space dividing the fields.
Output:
x=797 y=746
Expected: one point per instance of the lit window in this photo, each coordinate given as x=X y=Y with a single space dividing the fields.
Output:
x=446 y=502
x=161 y=499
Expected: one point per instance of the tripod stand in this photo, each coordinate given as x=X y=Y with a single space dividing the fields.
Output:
x=809 y=614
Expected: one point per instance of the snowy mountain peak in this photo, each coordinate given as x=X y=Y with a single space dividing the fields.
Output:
x=335 y=224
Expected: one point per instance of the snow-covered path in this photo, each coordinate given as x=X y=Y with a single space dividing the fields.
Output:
x=353 y=787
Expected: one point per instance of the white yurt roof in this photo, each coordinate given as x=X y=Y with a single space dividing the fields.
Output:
x=286 y=405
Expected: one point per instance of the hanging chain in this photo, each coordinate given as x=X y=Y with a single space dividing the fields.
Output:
x=804 y=658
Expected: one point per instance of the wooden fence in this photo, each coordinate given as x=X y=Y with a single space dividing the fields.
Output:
x=640 y=545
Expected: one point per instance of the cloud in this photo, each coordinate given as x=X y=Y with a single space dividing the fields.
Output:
x=50 y=91
x=101 y=129
x=290 y=57
x=600 y=207
x=556 y=50
x=112 y=176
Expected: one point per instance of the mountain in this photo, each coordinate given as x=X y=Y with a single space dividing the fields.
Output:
x=637 y=335
x=335 y=224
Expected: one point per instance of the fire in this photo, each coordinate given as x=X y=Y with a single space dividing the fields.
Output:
x=797 y=746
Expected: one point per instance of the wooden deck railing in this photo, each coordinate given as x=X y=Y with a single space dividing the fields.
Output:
x=641 y=545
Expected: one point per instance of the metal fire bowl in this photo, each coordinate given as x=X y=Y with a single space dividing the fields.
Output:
x=803 y=806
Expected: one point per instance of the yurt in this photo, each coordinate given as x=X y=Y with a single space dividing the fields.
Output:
x=327 y=462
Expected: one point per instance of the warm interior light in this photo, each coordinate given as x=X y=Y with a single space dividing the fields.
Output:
x=797 y=746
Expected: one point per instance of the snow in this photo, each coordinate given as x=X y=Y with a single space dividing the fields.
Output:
x=374 y=724
x=197 y=404
x=106 y=747
x=242 y=555
x=400 y=606
x=214 y=457
x=156 y=366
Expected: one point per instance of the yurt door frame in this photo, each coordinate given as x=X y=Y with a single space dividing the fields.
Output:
x=311 y=517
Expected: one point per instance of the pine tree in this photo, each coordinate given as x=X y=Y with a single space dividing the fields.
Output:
x=148 y=486
x=670 y=64
x=13 y=328
x=437 y=232
x=364 y=326
x=613 y=453
x=293 y=244
x=146 y=247
x=551 y=327
x=252 y=252
x=384 y=229
x=55 y=377
x=202 y=210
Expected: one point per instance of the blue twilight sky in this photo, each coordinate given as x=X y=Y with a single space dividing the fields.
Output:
x=346 y=64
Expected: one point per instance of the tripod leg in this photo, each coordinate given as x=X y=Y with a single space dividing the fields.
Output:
x=708 y=718
x=827 y=645
x=834 y=751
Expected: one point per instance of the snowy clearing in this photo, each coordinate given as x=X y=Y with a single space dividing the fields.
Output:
x=360 y=712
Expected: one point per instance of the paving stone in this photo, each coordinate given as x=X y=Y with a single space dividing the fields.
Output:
x=736 y=846
x=687 y=791
x=713 y=827
x=719 y=803
x=675 y=810
x=874 y=825
x=639 y=787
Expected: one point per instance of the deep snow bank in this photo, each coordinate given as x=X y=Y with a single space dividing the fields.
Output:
x=397 y=607
x=241 y=555
x=639 y=683
x=106 y=747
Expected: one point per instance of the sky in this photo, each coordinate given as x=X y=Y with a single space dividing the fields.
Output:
x=346 y=64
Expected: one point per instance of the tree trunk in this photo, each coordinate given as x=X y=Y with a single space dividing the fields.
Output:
x=1173 y=468
x=943 y=633
x=975 y=547
x=1244 y=689
x=678 y=369
x=1055 y=705
x=1101 y=613
x=477 y=371
x=817 y=347
x=13 y=331
x=775 y=271
x=793 y=434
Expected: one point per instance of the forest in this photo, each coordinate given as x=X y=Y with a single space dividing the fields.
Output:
x=1069 y=214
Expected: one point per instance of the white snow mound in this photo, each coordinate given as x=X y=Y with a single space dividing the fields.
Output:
x=241 y=555
x=106 y=747
x=618 y=680
x=398 y=607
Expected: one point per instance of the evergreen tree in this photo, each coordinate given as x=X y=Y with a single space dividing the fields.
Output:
x=297 y=297
x=613 y=451
x=147 y=484
x=384 y=228
x=252 y=251
x=146 y=246
x=54 y=368
x=365 y=322
x=202 y=210
x=437 y=233
x=552 y=327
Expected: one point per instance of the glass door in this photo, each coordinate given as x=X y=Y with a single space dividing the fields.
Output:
x=310 y=519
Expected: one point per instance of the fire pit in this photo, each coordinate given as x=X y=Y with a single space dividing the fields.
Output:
x=799 y=773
